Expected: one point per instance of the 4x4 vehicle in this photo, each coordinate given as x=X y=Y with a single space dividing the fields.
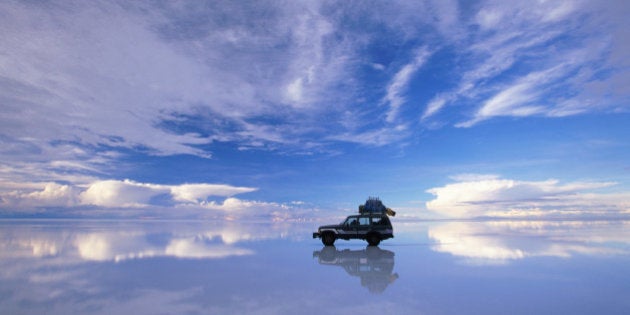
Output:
x=370 y=227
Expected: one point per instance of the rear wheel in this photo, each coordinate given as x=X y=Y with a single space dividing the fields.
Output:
x=373 y=239
x=328 y=239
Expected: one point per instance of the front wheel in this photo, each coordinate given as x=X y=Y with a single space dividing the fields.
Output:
x=328 y=239
x=373 y=239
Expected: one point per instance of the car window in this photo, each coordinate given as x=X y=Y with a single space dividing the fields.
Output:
x=351 y=221
x=364 y=221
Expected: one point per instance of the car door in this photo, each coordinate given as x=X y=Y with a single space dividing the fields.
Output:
x=350 y=226
x=364 y=226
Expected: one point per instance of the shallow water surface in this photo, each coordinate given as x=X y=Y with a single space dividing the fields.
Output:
x=165 y=267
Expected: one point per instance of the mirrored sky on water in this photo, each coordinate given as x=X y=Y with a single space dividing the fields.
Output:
x=445 y=267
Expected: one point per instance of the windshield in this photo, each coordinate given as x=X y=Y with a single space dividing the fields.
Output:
x=350 y=221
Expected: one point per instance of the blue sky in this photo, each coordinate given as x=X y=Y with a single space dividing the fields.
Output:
x=296 y=110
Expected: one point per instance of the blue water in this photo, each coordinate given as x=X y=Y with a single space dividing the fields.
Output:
x=162 y=267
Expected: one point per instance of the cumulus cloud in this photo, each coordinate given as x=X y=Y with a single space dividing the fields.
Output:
x=127 y=193
x=114 y=193
x=127 y=198
x=124 y=194
x=483 y=196
x=38 y=194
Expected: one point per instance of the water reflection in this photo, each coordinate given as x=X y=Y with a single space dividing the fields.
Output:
x=73 y=242
x=500 y=242
x=133 y=267
x=373 y=265
x=57 y=267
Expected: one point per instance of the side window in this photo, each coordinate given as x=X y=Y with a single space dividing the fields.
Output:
x=365 y=221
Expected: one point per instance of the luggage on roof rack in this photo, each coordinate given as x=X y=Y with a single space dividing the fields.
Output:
x=376 y=206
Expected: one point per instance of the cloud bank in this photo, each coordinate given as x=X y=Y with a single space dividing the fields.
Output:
x=133 y=199
x=473 y=196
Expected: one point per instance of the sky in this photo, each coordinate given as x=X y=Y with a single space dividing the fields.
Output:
x=294 y=110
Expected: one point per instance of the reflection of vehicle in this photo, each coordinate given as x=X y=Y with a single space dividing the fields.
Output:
x=370 y=227
x=373 y=265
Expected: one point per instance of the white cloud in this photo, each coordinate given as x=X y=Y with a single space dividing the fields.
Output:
x=196 y=192
x=468 y=177
x=434 y=106
x=309 y=67
x=524 y=97
x=83 y=82
x=127 y=198
x=71 y=70
x=127 y=193
x=37 y=194
x=114 y=193
x=294 y=91
x=518 y=39
x=100 y=74
x=111 y=193
x=378 y=137
x=488 y=18
x=84 y=68
x=234 y=208
x=397 y=87
x=496 y=197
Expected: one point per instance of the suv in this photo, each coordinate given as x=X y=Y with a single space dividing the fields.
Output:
x=370 y=227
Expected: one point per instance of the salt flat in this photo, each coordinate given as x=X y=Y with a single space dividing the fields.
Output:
x=191 y=267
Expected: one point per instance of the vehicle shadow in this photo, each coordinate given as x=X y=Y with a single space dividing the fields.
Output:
x=373 y=265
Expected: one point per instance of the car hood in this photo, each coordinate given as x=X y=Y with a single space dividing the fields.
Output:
x=332 y=226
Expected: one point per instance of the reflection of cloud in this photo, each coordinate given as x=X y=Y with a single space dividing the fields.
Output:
x=192 y=248
x=138 y=241
x=45 y=263
x=122 y=246
x=119 y=247
x=498 y=242
x=94 y=247
x=474 y=196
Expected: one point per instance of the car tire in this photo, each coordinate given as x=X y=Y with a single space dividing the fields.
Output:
x=328 y=239
x=373 y=239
